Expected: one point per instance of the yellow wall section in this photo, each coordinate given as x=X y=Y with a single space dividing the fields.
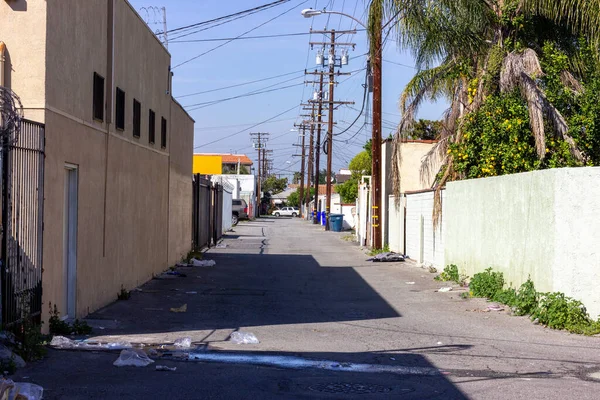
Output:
x=208 y=165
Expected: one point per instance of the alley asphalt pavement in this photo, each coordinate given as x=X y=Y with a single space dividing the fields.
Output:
x=362 y=330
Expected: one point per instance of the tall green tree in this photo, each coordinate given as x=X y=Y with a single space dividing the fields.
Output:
x=274 y=185
x=360 y=165
x=486 y=58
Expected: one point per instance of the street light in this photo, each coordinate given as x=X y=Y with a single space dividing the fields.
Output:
x=375 y=51
x=309 y=13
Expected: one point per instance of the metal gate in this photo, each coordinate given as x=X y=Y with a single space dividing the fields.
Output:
x=22 y=224
x=217 y=213
x=201 y=212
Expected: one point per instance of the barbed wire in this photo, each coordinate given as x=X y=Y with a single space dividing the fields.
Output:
x=11 y=114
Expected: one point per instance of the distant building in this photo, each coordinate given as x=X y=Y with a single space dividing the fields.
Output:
x=215 y=164
x=343 y=175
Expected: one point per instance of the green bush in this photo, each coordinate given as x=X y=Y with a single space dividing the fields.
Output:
x=486 y=284
x=558 y=311
x=60 y=327
x=506 y=296
x=450 y=273
x=527 y=299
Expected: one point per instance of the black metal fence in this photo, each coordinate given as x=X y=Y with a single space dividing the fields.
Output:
x=22 y=224
x=207 y=212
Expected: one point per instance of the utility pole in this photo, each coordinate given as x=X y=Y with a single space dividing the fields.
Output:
x=164 y=10
x=310 y=157
x=332 y=64
x=302 y=170
x=376 y=136
x=330 y=129
x=259 y=140
x=318 y=152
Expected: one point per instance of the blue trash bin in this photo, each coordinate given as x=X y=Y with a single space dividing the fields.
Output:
x=336 y=222
x=323 y=218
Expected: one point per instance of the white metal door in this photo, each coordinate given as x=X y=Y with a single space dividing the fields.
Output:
x=70 y=241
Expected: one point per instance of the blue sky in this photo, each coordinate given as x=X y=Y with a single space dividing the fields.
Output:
x=242 y=61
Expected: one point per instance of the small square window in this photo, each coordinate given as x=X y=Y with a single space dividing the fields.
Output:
x=120 y=109
x=137 y=118
x=151 y=126
x=98 y=97
x=163 y=133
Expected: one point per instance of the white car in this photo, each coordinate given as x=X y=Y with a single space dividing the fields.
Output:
x=286 y=212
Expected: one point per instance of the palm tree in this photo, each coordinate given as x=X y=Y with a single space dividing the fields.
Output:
x=469 y=50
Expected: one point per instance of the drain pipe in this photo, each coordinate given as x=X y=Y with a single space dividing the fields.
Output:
x=2 y=50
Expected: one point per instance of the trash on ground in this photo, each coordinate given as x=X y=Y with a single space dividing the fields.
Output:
x=409 y=283
x=7 y=355
x=221 y=246
x=181 y=309
x=439 y=343
x=202 y=263
x=185 y=342
x=176 y=273
x=133 y=358
x=240 y=337
x=63 y=343
x=192 y=292
x=165 y=368
x=387 y=257
x=495 y=307
x=445 y=289
x=432 y=269
x=10 y=390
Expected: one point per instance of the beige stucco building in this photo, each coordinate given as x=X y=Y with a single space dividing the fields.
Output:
x=118 y=162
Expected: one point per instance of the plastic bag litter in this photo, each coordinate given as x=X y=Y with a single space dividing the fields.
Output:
x=117 y=345
x=20 y=390
x=387 y=257
x=181 y=309
x=202 y=263
x=185 y=342
x=445 y=289
x=133 y=358
x=243 y=338
x=63 y=343
x=165 y=368
x=495 y=307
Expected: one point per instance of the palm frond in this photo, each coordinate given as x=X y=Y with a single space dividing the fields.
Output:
x=581 y=17
x=571 y=82
x=520 y=70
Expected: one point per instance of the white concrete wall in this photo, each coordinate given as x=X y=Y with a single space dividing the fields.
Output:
x=542 y=224
x=424 y=244
x=395 y=216
x=227 y=207
x=386 y=187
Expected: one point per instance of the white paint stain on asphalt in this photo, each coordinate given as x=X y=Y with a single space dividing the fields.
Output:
x=292 y=362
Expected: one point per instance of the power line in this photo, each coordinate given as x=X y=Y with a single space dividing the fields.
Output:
x=229 y=41
x=246 y=129
x=185 y=34
x=246 y=37
x=252 y=93
x=397 y=63
x=237 y=125
x=227 y=16
x=239 y=84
